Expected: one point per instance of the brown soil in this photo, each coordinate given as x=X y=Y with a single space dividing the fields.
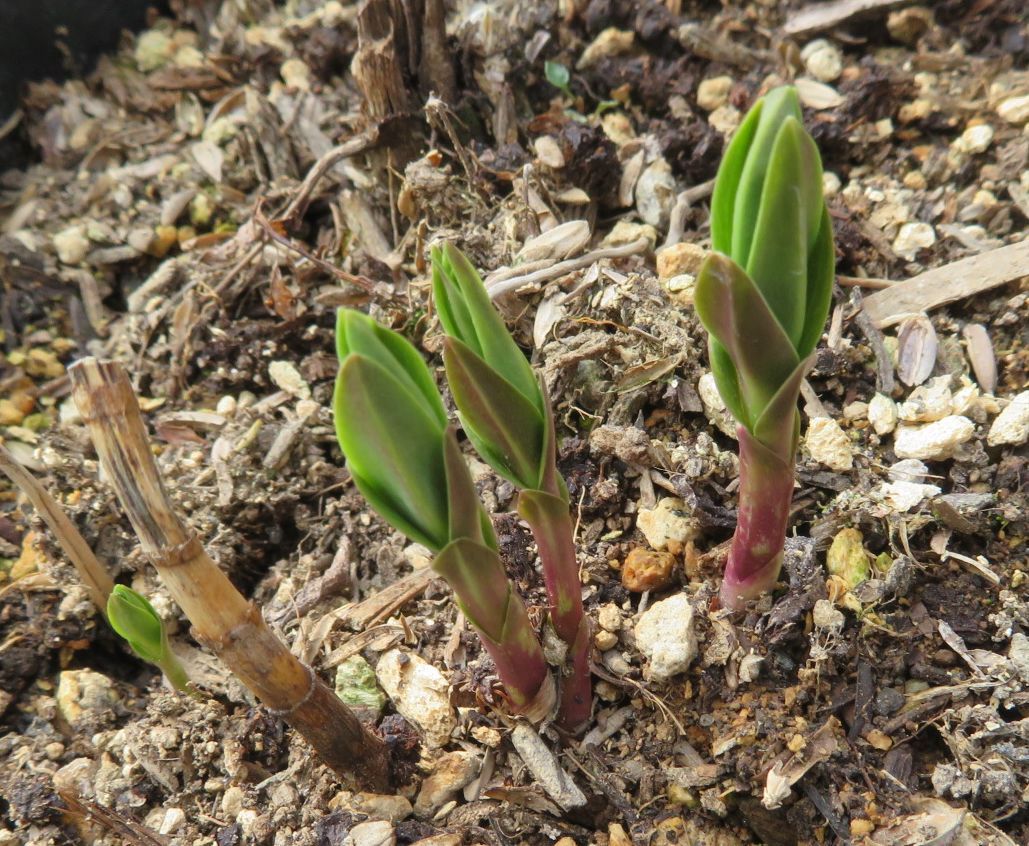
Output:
x=166 y=224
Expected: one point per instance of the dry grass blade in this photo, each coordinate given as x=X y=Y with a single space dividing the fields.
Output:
x=124 y=828
x=95 y=576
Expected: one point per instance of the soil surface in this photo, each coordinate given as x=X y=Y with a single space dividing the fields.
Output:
x=204 y=201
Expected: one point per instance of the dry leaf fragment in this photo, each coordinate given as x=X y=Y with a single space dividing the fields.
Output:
x=817 y=95
x=788 y=769
x=916 y=350
x=568 y=239
x=981 y=356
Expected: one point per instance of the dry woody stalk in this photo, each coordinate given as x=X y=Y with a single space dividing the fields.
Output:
x=222 y=618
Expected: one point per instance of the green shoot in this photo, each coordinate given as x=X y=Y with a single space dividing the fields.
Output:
x=404 y=459
x=763 y=296
x=133 y=617
x=506 y=413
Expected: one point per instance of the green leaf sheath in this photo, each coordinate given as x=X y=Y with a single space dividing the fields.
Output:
x=462 y=499
x=484 y=594
x=551 y=525
x=576 y=685
x=735 y=313
x=400 y=474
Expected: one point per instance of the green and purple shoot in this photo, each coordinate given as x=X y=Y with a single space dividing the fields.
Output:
x=506 y=413
x=763 y=297
x=405 y=460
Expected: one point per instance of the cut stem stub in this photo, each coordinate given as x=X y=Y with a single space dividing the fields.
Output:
x=222 y=618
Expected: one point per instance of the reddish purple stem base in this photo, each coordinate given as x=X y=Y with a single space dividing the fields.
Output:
x=551 y=524
x=765 y=495
x=521 y=668
x=576 y=686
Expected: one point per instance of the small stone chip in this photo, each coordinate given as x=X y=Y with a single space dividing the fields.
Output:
x=680 y=258
x=934 y=441
x=879 y=740
x=1012 y=424
x=714 y=92
x=828 y=444
x=645 y=569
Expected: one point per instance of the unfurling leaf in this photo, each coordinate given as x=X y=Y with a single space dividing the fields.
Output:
x=133 y=617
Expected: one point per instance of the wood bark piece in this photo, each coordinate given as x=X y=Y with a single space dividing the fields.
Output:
x=819 y=16
x=221 y=616
x=383 y=59
x=95 y=576
x=954 y=281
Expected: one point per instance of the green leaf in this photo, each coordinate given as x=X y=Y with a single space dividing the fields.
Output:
x=359 y=334
x=551 y=481
x=495 y=415
x=462 y=499
x=476 y=575
x=775 y=107
x=557 y=75
x=787 y=224
x=394 y=448
x=466 y=312
x=734 y=311
x=727 y=381
x=727 y=181
x=821 y=271
x=133 y=617
x=778 y=427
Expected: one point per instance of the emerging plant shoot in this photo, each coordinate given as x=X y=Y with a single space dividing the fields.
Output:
x=763 y=296
x=133 y=617
x=506 y=413
x=404 y=458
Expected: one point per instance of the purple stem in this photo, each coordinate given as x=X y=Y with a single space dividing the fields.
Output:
x=765 y=495
x=519 y=659
x=551 y=524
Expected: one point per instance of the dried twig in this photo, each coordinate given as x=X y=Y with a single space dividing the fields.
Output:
x=269 y=230
x=545 y=274
x=98 y=581
x=683 y=202
x=709 y=44
x=352 y=147
x=883 y=362
x=221 y=616
x=864 y=282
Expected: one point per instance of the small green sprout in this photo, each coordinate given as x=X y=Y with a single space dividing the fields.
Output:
x=506 y=413
x=763 y=297
x=405 y=460
x=133 y=617
x=558 y=76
